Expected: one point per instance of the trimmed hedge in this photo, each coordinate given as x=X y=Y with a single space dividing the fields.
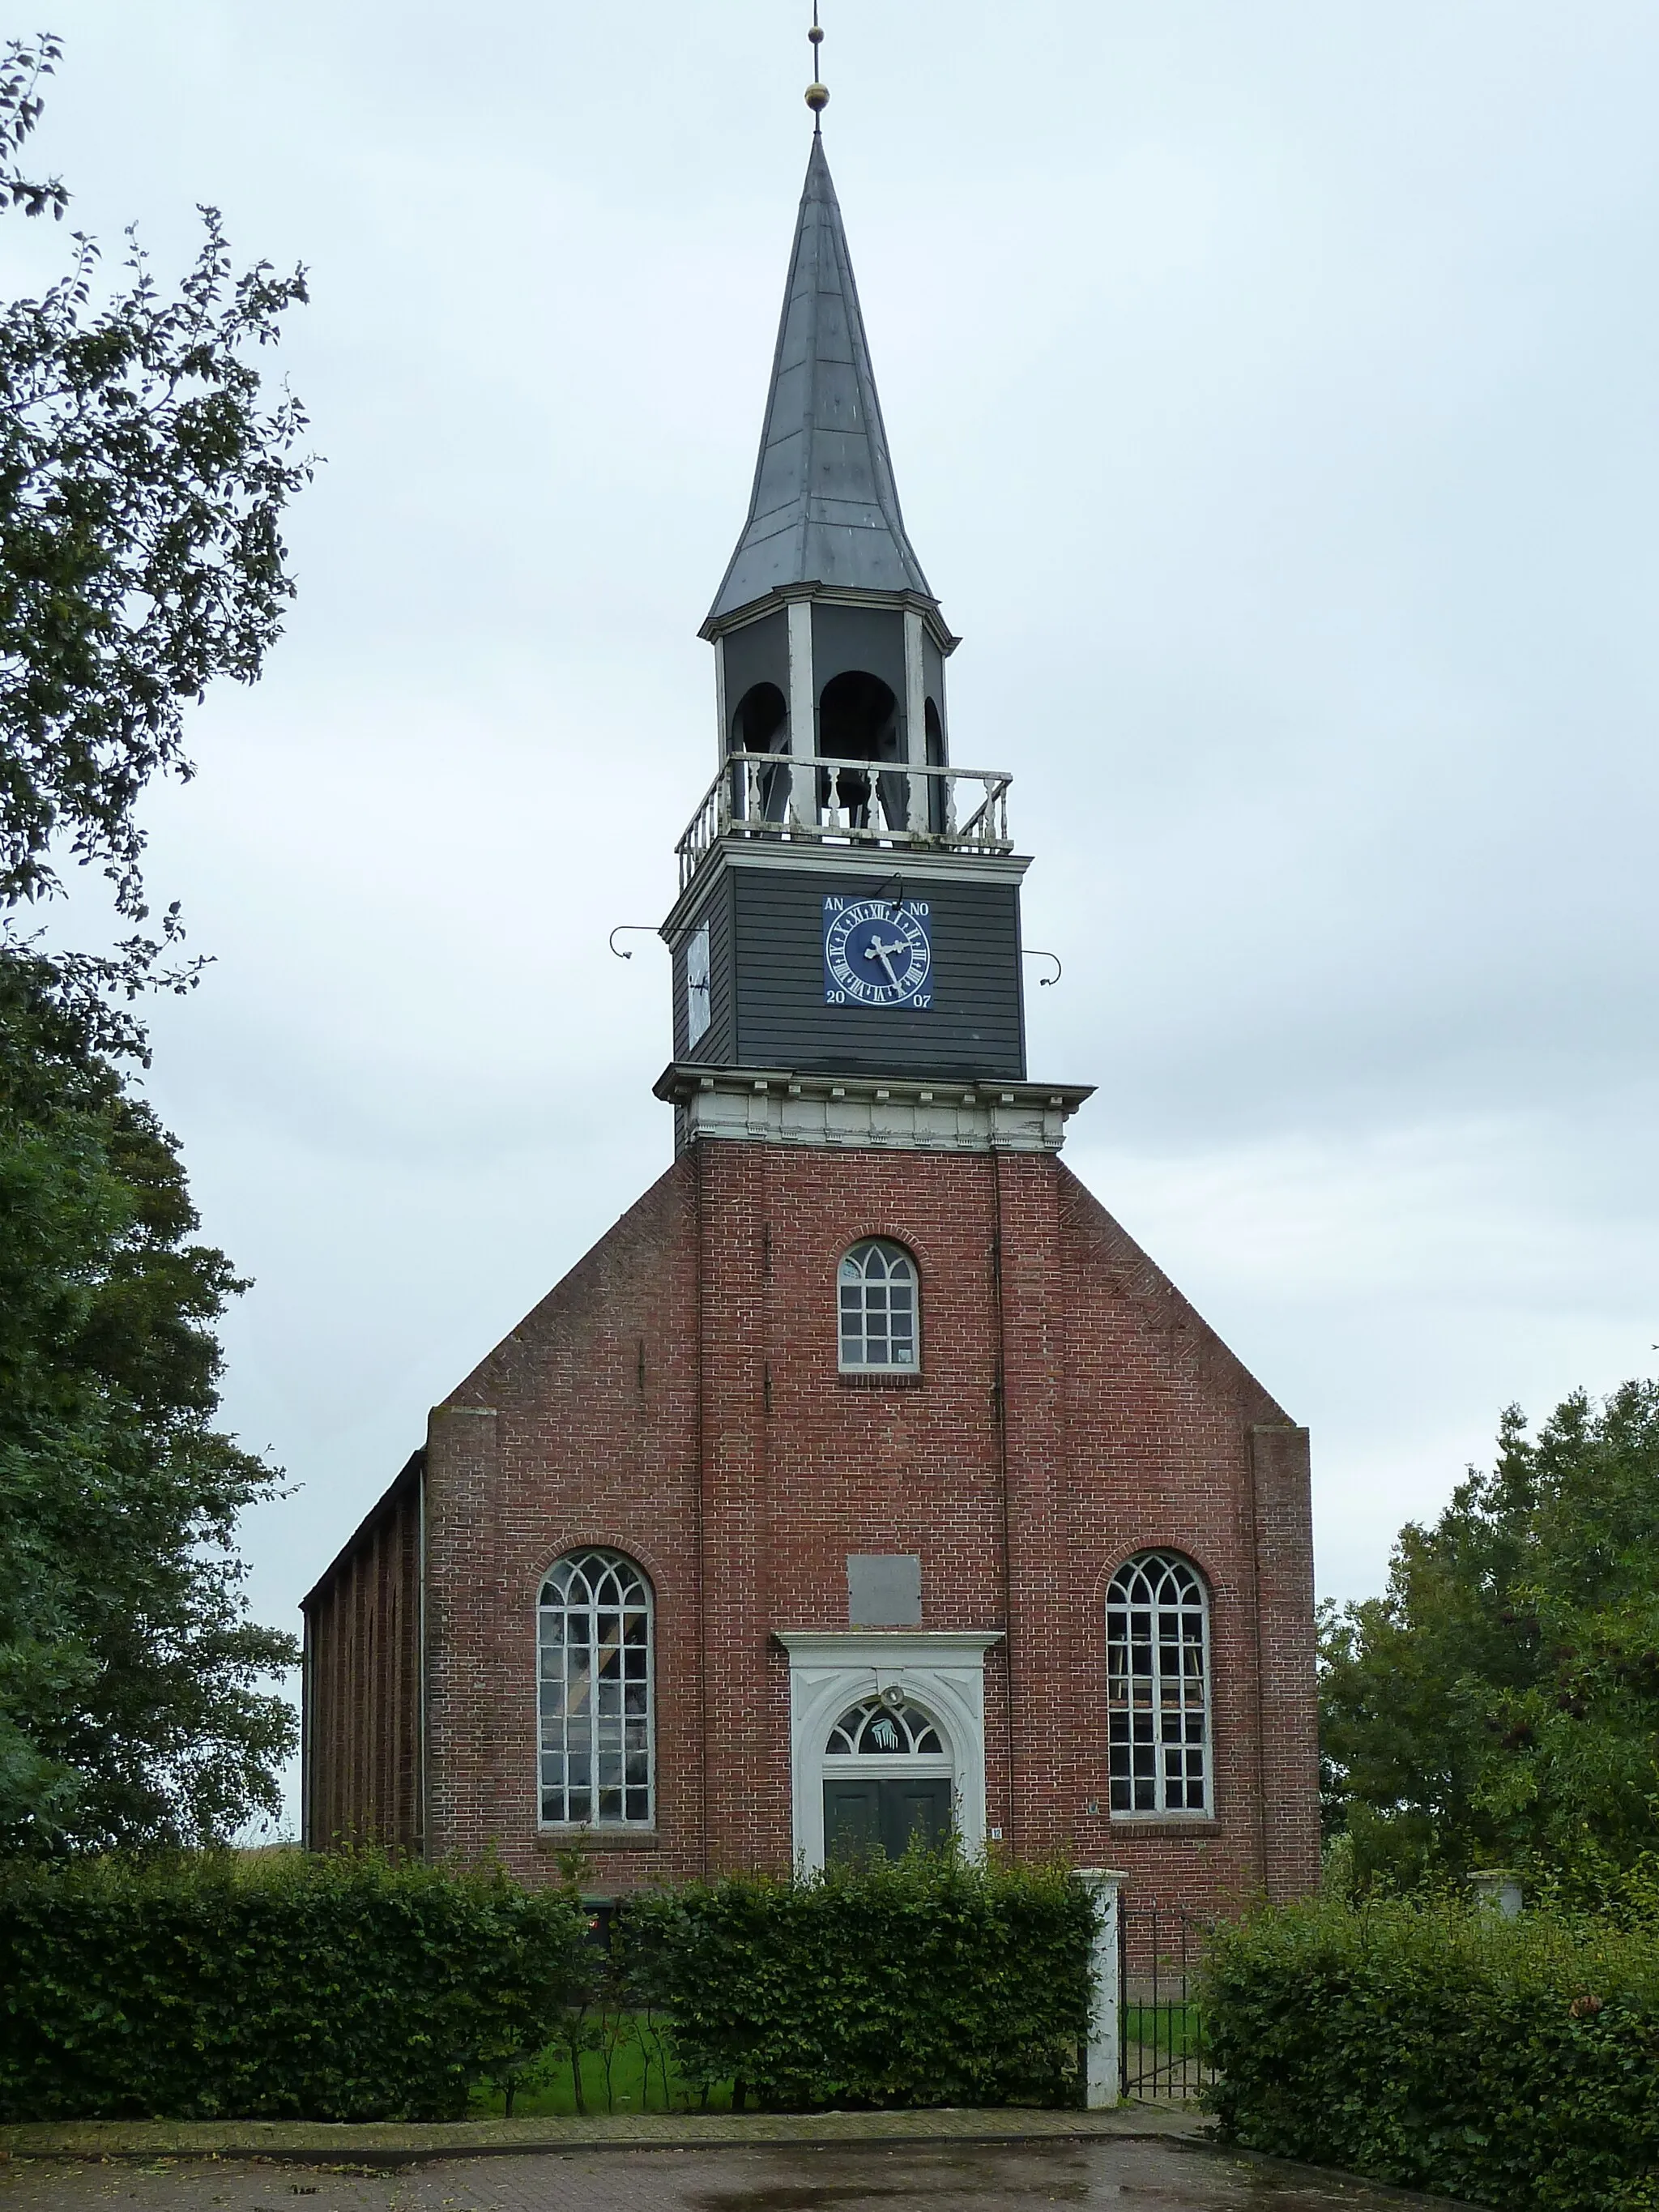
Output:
x=929 y=1981
x=1509 y=2062
x=280 y=1987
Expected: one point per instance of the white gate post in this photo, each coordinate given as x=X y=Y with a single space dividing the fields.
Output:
x=1102 y=2064
x=1497 y=1890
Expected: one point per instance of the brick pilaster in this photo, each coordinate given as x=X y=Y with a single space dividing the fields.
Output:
x=739 y=1728
x=1026 y=1269
x=1288 y=1717
x=463 y=1601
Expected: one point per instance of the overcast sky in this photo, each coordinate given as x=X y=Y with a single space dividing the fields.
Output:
x=1273 y=392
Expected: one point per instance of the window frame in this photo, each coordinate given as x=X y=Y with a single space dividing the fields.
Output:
x=1195 y=1599
x=887 y=1370
x=908 y=1720
x=580 y=1557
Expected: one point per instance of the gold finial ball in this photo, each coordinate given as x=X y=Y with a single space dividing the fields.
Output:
x=818 y=98
x=815 y=34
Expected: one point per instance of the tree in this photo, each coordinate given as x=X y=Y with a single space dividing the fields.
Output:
x=142 y=487
x=1501 y=1701
x=129 y=1705
x=142 y=483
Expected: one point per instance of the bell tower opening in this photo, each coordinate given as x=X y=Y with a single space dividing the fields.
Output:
x=758 y=725
x=935 y=741
x=858 y=718
x=857 y=721
x=761 y=724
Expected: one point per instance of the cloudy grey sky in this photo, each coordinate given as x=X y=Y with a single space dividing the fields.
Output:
x=1273 y=394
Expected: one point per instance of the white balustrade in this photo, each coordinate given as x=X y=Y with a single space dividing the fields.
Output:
x=857 y=803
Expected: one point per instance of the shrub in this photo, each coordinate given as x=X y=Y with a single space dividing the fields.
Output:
x=212 y=1987
x=1422 y=2042
x=929 y=1981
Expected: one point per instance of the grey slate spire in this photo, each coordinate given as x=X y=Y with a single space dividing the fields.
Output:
x=824 y=509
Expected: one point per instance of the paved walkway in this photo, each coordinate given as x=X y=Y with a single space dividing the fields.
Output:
x=403 y=2142
x=1175 y=2173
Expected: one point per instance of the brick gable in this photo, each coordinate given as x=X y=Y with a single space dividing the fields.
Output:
x=678 y=1397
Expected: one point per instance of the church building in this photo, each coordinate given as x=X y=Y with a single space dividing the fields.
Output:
x=866 y=1480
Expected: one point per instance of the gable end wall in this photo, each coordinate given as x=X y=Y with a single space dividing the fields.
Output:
x=677 y=1397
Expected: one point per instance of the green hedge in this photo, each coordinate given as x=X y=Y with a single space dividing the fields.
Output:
x=214 y=1987
x=931 y=1981
x=1509 y=2062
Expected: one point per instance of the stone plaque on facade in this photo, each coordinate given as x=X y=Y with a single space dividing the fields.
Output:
x=884 y=1591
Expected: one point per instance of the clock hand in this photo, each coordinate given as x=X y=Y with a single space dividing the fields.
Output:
x=877 y=950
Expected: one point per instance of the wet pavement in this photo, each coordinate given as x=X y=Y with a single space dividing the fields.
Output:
x=1124 y=2176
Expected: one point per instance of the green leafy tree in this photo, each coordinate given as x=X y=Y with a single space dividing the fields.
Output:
x=131 y=1704
x=142 y=480
x=143 y=477
x=1501 y=1701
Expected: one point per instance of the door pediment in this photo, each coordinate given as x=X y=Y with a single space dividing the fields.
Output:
x=941 y=1670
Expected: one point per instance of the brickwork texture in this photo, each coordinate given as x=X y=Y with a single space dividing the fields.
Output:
x=677 y=1397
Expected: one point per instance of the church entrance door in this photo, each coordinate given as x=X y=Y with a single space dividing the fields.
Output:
x=886 y=1704
x=887 y=1780
x=865 y=1820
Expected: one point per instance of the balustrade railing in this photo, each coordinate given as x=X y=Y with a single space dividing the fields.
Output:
x=829 y=801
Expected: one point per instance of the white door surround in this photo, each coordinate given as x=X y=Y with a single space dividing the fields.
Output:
x=942 y=1669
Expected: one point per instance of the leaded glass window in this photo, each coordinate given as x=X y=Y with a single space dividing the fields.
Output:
x=877 y=1730
x=878 y=1318
x=595 y=1692
x=1157 y=1686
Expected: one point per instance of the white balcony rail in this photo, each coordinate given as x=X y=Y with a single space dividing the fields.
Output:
x=825 y=801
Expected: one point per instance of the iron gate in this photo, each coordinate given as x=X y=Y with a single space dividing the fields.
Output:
x=1160 y=2013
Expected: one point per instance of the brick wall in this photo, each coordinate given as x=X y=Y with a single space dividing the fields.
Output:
x=678 y=1397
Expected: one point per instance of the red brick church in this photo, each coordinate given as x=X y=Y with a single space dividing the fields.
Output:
x=866 y=1479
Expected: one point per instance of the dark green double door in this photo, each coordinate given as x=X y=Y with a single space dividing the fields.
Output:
x=863 y=1818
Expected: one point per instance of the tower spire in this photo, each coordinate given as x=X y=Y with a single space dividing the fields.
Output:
x=817 y=93
x=825 y=508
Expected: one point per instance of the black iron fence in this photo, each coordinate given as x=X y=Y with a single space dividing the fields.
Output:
x=1160 y=2006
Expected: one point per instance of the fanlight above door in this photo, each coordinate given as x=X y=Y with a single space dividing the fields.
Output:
x=877 y=1730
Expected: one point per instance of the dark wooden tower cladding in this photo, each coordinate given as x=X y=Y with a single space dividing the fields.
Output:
x=765 y=925
x=868 y=1403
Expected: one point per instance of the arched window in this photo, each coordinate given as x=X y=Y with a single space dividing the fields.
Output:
x=880 y=1326
x=595 y=1636
x=1157 y=1686
x=876 y=1729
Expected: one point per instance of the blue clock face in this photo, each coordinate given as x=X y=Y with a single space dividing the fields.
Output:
x=877 y=953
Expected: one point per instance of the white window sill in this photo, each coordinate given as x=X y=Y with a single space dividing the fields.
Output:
x=1162 y=1819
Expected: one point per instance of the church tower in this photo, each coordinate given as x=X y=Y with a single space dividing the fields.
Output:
x=849 y=899
x=866 y=1480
